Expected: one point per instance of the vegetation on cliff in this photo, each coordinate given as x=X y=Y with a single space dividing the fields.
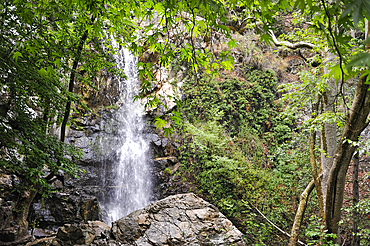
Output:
x=46 y=46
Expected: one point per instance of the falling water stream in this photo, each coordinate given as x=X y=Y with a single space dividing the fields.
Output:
x=131 y=189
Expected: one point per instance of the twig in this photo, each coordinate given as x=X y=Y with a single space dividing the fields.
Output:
x=280 y=230
x=336 y=46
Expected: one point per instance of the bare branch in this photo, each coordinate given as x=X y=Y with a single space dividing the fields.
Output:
x=269 y=221
x=289 y=45
x=300 y=213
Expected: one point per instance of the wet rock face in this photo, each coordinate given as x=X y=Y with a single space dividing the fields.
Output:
x=177 y=220
x=63 y=208
x=98 y=136
x=77 y=234
x=106 y=95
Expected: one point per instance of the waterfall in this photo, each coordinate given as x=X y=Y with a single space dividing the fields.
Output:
x=131 y=186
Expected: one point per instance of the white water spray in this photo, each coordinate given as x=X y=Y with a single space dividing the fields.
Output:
x=133 y=185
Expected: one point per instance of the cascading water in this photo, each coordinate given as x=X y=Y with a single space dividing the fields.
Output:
x=130 y=172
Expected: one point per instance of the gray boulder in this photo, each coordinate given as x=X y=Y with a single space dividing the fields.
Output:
x=177 y=220
x=72 y=235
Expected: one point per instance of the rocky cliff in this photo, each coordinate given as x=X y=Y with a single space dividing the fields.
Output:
x=176 y=220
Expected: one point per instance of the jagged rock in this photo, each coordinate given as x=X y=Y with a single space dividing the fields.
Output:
x=14 y=235
x=164 y=162
x=64 y=208
x=42 y=242
x=75 y=235
x=177 y=220
x=100 y=228
x=42 y=233
x=82 y=234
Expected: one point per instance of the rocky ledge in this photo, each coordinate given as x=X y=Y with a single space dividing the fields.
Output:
x=176 y=220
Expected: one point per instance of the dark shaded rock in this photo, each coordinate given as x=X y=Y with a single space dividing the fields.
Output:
x=64 y=208
x=75 y=235
x=42 y=233
x=100 y=228
x=14 y=235
x=42 y=242
x=177 y=220
x=164 y=162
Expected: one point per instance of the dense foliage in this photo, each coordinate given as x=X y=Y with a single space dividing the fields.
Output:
x=228 y=136
x=231 y=126
x=244 y=102
x=31 y=101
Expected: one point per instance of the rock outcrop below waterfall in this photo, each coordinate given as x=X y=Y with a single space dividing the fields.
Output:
x=183 y=219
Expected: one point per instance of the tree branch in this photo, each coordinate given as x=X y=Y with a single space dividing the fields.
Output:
x=289 y=45
x=300 y=213
x=270 y=222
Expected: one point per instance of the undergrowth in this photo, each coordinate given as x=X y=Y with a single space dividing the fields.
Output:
x=233 y=141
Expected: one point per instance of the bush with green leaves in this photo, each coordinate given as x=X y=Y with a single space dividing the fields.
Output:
x=235 y=147
x=363 y=213
x=249 y=101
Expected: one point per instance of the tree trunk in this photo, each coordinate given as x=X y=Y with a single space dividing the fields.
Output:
x=315 y=173
x=16 y=233
x=314 y=183
x=71 y=85
x=367 y=30
x=300 y=213
x=329 y=132
x=356 y=122
x=356 y=198
x=23 y=204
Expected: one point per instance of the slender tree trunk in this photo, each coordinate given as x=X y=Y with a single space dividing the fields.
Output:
x=367 y=30
x=300 y=214
x=315 y=182
x=329 y=131
x=71 y=85
x=356 y=198
x=315 y=169
x=315 y=172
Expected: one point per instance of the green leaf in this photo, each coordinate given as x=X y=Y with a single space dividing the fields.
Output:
x=168 y=131
x=50 y=70
x=337 y=72
x=361 y=60
x=357 y=15
x=43 y=72
x=231 y=43
x=159 y=123
x=348 y=9
x=16 y=55
x=367 y=74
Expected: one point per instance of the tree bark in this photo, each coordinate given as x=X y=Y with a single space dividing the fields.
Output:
x=367 y=30
x=19 y=232
x=356 y=122
x=300 y=214
x=329 y=132
x=71 y=85
x=356 y=198
x=315 y=172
